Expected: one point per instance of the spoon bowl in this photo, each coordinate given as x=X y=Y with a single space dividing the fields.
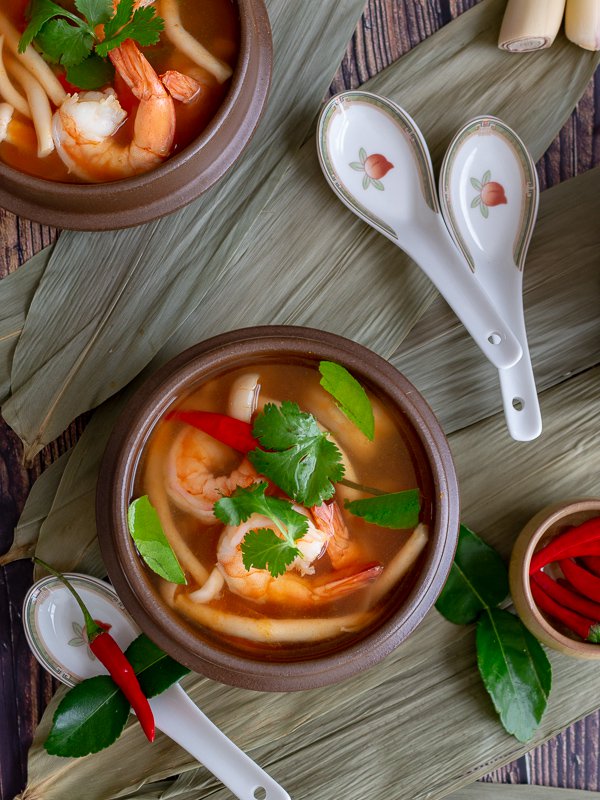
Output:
x=376 y=160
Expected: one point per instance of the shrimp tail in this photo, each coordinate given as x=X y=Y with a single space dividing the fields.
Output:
x=344 y=584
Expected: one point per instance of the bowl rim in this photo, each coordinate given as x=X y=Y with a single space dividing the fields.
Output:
x=86 y=212
x=131 y=581
x=527 y=543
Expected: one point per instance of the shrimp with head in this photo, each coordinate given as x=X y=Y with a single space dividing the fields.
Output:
x=85 y=124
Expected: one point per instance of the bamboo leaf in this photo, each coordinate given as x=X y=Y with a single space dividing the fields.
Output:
x=37 y=507
x=17 y=291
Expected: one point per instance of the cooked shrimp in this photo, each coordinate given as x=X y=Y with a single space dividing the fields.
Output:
x=328 y=519
x=191 y=480
x=84 y=126
x=180 y=86
x=290 y=589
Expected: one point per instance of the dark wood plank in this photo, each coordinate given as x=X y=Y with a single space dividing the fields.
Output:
x=388 y=29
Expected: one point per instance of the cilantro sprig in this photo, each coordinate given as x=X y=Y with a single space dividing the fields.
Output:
x=262 y=547
x=74 y=41
x=297 y=456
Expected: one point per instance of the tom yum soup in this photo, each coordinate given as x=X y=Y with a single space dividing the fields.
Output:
x=286 y=509
x=98 y=90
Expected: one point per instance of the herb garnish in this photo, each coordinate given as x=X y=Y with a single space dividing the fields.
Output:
x=92 y=715
x=351 y=397
x=393 y=510
x=74 y=41
x=151 y=542
x=298 y=456
x=263 y=548
x=513 y=666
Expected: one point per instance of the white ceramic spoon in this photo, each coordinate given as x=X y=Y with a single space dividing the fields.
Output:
x=376 y=160
x=52 y=619
x=489 y=194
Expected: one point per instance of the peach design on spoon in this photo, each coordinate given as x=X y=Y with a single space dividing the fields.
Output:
x=374 y=167
x=491 y=193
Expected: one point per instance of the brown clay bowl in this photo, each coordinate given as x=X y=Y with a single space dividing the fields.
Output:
x=544 y=526
x=115 y=490
x=180 y=179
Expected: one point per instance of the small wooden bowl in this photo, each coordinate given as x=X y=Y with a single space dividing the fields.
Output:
x=544 y=526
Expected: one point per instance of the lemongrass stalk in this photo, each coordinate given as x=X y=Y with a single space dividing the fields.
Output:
x=39 y=104
x=191 y=47
x=8 y=91
x=6 y=114
x=582 y=23
x=530 y=24
x=33 y=62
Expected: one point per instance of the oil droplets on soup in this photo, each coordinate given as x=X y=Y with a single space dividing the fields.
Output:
x=263 y=489
x=116 y=112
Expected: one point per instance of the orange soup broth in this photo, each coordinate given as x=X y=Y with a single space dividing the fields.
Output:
x=214 y=23
x=393 y=462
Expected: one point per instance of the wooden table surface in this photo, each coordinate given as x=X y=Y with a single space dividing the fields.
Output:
x=387 y=30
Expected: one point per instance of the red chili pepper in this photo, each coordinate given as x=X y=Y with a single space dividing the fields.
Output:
x=592 y=563
x=582 y=580
x=557 y=548
x=585 y=628
x=230 y=431
x=108 y=652
x=564 y=595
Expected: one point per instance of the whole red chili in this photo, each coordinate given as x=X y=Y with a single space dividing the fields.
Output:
x=108 y=652
x=582 y=580
x=585 y=628
x=592 y=563
x=564 y=594
x=565 y=545
x=231 y=431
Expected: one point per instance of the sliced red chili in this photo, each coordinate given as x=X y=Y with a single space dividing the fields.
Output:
x=233 y=432
x=108 y=652
x=584 y=581
x=585 y=628
x=557 y=548
x=564 y=595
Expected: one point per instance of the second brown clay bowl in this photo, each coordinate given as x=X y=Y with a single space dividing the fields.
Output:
x=541 y=529
x=179 y=638
x=181 y=178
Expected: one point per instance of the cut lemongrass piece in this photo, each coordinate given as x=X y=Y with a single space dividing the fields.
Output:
x=582 y=23
x=38 y=103
x=186 y=43
x=530 y=24
x=8 y=91
x=6 y=114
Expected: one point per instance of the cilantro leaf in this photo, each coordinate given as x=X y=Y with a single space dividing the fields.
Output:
x=153 y=546
x=144 y=28
x=304 y=462
x=64 y=43
x=394 y=510
x=93 y=73
x=351 y=398
x=42 y=11
x=97 y=12
x=263 y=549
x=121 y=17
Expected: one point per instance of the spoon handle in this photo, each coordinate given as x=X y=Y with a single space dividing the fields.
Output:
x=178 y=717
x=440 y=259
